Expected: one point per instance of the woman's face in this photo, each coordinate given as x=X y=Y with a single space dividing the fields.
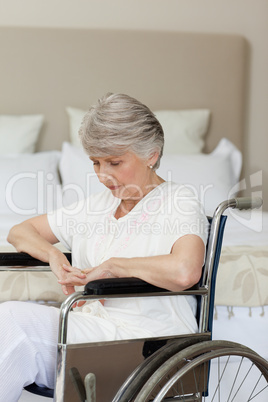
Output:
x=127 y=176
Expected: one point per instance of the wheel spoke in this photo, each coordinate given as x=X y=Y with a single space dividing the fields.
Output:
x=184 y=376
x=252 y=397
x=244 y=379
x=220 y=378
x=231 y=390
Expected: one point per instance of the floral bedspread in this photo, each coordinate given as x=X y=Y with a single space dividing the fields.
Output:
x=242 y=278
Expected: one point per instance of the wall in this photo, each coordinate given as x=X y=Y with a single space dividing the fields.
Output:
x=246 y=17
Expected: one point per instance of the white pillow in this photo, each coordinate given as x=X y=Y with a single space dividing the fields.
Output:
x=75 y=120
x=212 y=177
x=29 y=183
x=78 y=177
x=19 y=134
x=184 y=129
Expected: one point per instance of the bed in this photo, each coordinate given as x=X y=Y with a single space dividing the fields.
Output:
x=197 y=86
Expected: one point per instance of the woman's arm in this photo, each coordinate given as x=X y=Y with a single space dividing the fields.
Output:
x=176 y=271
x=35 y=237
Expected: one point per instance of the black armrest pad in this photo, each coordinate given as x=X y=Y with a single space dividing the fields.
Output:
x=23 y=259
x=111 y=286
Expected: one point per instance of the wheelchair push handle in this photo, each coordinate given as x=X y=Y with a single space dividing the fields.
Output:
x=238 y=203
x=248 y=202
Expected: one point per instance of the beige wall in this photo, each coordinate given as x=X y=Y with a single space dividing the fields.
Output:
x=246 y=17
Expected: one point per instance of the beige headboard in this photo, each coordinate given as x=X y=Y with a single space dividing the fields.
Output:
x=45 y=70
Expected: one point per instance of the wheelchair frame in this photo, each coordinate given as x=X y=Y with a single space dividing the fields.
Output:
x=169 y=354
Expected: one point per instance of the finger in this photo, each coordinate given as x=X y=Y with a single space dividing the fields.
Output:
x=68 y=268
x=64 y=289
x=72 y=277
x=89 y=269
x=81 y=303
x=79 y=275
x=72 y=281
x=86 y=271
x=75 y=271
x=67 y=290
x=65 y=282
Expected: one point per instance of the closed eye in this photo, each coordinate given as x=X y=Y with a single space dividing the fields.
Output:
x=108 y=160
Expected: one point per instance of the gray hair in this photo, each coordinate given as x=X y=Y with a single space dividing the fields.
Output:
x=118 y=124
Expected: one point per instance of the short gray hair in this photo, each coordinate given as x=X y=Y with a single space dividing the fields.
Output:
x=118 y=124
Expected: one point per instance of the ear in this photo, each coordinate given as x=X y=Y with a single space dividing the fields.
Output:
x=153 y=159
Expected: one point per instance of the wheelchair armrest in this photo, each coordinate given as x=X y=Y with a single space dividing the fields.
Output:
x=23 y=259
x=111 y=286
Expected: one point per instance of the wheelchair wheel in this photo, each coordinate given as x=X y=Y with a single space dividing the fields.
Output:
x=145 y=370
x=209 y=371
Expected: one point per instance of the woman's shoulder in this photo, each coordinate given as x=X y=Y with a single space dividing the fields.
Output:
x=170 y=188
x=166 y=194
x=179 y=197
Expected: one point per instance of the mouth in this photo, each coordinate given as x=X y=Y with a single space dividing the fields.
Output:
x=113 y=188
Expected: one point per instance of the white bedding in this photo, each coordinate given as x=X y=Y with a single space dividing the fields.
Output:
x=245 y=228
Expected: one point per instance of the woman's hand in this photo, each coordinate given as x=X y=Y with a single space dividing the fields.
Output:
x=36 y=238
x=77 y=277
x=60 y=266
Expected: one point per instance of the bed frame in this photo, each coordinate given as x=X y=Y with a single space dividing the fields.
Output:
x=45 y=70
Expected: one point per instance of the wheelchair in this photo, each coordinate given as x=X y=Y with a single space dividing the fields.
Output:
x=189 y=367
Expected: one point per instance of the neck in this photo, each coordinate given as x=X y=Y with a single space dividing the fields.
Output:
x=126 y=205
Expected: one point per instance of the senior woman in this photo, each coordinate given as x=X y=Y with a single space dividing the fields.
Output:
x=139 y=226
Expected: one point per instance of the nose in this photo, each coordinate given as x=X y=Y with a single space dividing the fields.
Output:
x=104 y=176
